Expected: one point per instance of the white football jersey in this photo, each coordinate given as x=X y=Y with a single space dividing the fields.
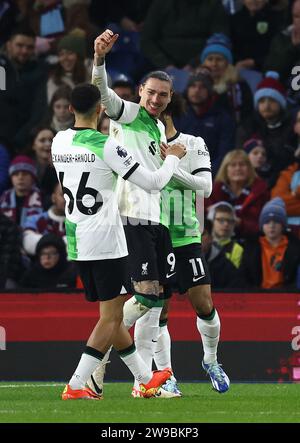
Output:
x=141 y=134
x=84 y=159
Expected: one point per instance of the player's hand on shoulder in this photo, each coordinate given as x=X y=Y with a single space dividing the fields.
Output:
x=177 y=149
x=104 y=42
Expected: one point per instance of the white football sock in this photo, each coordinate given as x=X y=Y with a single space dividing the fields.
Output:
x=210 y=334
x=86 y=366
x=146 y=334
x=136 y=365
x=162 y=355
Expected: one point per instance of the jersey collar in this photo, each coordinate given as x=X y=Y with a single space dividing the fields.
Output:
x=174 y=137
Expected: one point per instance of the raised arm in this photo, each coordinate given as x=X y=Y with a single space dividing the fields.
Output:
x=112 y=102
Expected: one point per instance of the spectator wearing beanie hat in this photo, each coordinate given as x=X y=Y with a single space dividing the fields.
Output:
x=233 y=92
x=72 y=67
x=271 y=123
x=24 y=198
x=270 y=87
x=256 y=151
x=272 y=260
x=204 y=117
x=273 y=210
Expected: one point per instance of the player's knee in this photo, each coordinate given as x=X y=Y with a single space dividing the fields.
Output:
x=115 y=317
x=147 y=293
x=147 y=287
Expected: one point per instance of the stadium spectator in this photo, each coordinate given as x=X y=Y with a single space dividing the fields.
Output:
x=232 y=91
x=223 y=218
x=271 y=260
x=51 y=221
x=40 y=149
x=238 y=184
x=60 y=117
x=124 y=88
x=51 y=268
x=76 y=14
x=271 y=123
x=172 y=37
x=204 y=117
x=24 y=99
x=223 y=273
x=284 y=52
x=252 y=29
x=258 y=156
x=72 y=67
x=11 y=267
x=24 y=198
x=288 y=188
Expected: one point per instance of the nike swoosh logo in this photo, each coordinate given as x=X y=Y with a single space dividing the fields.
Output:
x=170 y=275
x=198 y=278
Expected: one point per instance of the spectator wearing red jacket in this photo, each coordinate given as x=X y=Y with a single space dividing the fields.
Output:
x=238 y=184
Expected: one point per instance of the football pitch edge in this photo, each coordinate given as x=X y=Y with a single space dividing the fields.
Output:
x=39 y=402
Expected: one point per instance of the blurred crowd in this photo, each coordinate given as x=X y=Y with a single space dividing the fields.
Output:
x=233 y=65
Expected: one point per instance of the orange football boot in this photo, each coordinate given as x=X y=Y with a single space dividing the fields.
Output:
x=158 y=379
x=79 y=394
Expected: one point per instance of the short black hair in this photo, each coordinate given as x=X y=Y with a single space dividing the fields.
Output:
x=84 y=98
x=176 y=107
x=22 y=29
x=122 y=84
x=159 y=75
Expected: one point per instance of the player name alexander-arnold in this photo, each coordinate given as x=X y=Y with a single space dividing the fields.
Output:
x=118 y=433
x=73 y=158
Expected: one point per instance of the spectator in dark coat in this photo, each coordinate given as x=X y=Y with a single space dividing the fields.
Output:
x=223 y=273
x=175 y=31
x=272 y=259
x=51 y=269
x=24 y=100
x=205 y=118
x=252 y=29
x=10 y=253
x=238 y=184
x=271 y=123
x=284 y=52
